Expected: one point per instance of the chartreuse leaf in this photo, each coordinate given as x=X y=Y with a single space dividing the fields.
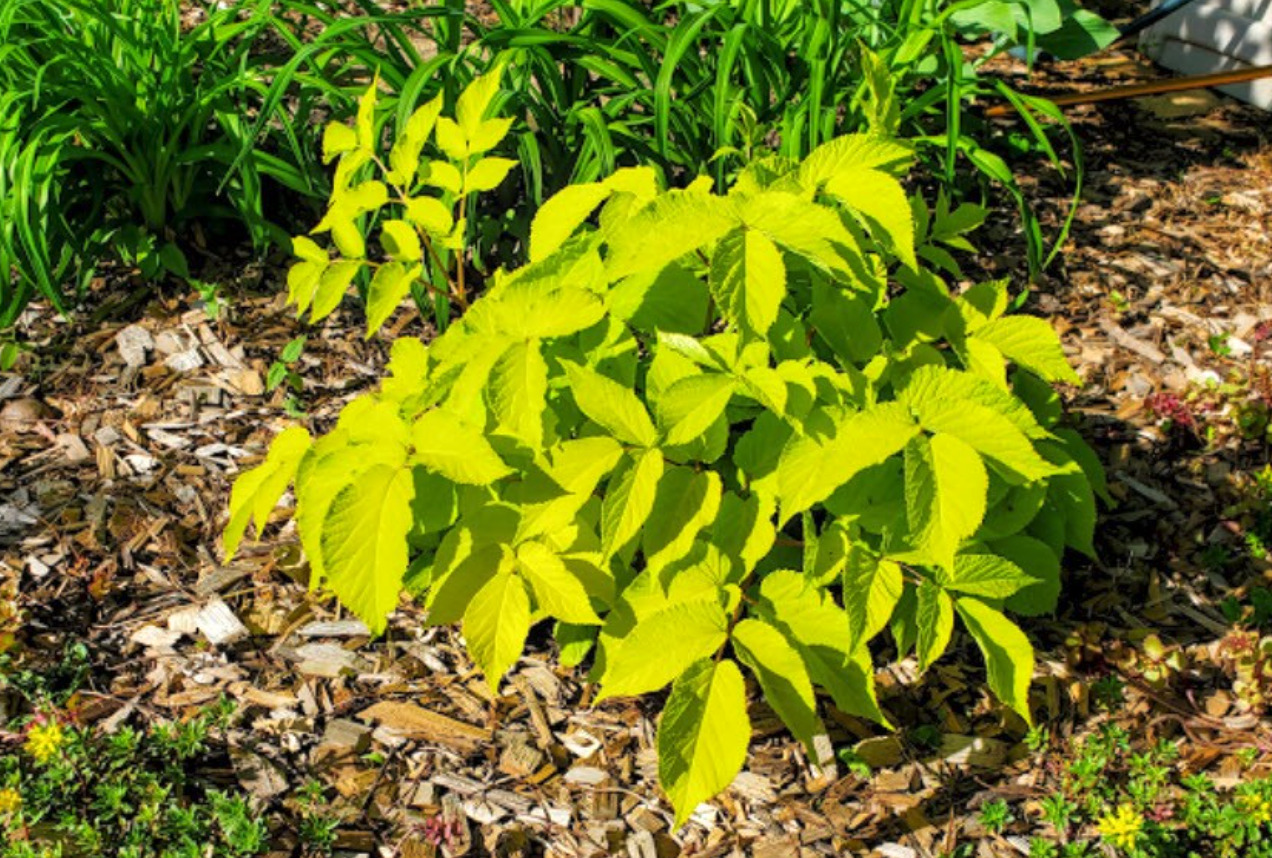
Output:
x=391 y=283
x=682 y=220
x=377 y=437
x=783 y=677
x=703 y=734
x=562 y=214
x=401 y=241
x=743 y=529
x=466 y=565
x=451 y=140
x=1009 y=657
x=257 y=491
x=820 y=632
x=557 y=591
x=404 y=157
x=487 y=174
x=496 y=623
x=611 y=405
x=871 y=588
x=748 y=280
x=574 y=643
x=810 y=469
x=988 y=576
x=302 y=281
x=991 y=435
x=662 y=645
x=933 y=391
x=430 y=215
x=364 y=548
x=517 y=391
x=364 y=124
x=1032 y=343
x=475 y=100
x=688 y=408
x=686 y=502
x=332 y=285
x=935 y=622
x=527 y=310
x=882 y=200
x=945 y=490
x=337 y=138
x=853 y=152
x=445 y=444
x=629 y=501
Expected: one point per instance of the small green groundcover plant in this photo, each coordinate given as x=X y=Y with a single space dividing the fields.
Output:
x=71 y=790
x=701 y=433
x=1146 y=804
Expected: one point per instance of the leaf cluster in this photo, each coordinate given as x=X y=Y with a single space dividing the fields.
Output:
x=121 y=121
x=702 y=433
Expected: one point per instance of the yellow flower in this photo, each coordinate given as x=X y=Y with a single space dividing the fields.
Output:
x=44 y=740
x=1257 y=809
x=1122 y=827
x=10 y=801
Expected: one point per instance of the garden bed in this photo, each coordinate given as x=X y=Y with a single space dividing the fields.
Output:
x=118 y=442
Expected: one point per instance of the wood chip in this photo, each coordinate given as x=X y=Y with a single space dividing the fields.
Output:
x=419 y=723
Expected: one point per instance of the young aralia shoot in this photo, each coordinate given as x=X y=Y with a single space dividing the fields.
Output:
x=704 y=433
